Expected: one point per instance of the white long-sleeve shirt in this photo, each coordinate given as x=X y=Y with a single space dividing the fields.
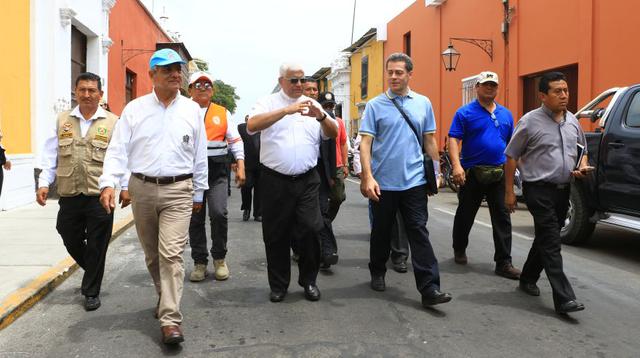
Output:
x=49 y=157
x=290 y=146
x=158 y=141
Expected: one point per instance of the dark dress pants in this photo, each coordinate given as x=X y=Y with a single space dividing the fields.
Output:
x=86 y=228
x=328 y=244
x=412 y=204
x=399 y=241
x=548 y=205
x=291 y=209
x=1 y=178
x=251 y=184
x=469 y=200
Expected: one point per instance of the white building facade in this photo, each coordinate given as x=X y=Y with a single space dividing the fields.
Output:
x=67 y=37
x=340 y=78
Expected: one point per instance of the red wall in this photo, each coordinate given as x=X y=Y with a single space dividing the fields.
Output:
x=130 y=27
x=543 y=35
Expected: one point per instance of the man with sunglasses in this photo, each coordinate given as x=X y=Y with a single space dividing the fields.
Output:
x=478 y=137
x=291 y=127
x=222 y=138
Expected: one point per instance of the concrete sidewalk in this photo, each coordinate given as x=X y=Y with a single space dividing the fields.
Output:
x=33 y=259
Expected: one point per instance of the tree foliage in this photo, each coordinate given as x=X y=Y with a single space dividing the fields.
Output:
x=224 y=95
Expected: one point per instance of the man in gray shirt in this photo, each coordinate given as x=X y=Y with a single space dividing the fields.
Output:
x=544 y=147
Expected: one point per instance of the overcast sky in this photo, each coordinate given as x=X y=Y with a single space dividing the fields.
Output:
x=245 y=41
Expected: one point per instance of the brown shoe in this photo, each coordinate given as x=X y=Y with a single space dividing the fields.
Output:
x=460 y=257
x=507 y=270
x=172 y=335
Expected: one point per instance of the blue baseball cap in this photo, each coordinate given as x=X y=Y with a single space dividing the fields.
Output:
x=165 y=57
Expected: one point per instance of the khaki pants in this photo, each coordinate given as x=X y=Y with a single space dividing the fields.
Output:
x=162 y=214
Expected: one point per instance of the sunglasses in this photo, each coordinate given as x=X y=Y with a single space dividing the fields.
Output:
x=495 y=120
x=202 y=86
x=294 y=81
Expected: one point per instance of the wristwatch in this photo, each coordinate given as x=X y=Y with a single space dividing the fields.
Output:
x=324 y=116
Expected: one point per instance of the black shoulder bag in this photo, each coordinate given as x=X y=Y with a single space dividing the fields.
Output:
x=429 y=170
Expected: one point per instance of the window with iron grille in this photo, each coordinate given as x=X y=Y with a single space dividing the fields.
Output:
x=469 y=89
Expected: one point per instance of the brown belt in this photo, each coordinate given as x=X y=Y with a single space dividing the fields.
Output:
x=162 y=180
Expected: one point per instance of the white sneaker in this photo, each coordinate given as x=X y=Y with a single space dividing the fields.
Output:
x=222 y=271
x=199 y=273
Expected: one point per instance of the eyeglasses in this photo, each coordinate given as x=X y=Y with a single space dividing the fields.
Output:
x=294 y=81
x=495 y=120
x=202 y=86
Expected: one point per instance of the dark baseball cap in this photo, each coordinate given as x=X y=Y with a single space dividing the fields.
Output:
x=326 y=97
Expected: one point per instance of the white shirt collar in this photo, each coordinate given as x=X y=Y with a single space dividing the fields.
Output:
x=288 y=99
x=155 y=96
x=100 y=113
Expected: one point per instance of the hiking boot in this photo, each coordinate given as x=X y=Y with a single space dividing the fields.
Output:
x=199 y=273
x=222 y=271
x=508 y=271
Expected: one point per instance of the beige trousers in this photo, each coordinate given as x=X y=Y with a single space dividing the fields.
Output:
x=162 y=214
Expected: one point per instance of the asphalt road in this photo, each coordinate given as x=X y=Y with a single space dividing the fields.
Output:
x=488 y=316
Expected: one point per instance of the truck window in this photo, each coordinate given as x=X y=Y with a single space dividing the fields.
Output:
x=633 y=114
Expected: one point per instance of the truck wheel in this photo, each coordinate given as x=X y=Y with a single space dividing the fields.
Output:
x=577 y=228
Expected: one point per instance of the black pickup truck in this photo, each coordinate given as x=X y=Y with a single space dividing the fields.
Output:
x=611 y=193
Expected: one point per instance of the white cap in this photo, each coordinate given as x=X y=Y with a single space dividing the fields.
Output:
x=198 y=75
x=488 y=76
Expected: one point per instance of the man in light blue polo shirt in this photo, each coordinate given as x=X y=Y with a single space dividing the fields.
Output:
x=393 y=176
x=482 y=128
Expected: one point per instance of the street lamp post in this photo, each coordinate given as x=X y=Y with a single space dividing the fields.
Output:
x=451 y=56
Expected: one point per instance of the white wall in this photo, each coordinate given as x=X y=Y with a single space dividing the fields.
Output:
x=340 y=78
x=51 y=77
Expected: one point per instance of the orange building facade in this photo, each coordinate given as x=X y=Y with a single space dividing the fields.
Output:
x=134 y=33
x=590 y=40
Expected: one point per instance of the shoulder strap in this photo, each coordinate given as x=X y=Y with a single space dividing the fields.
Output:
x=406 y=118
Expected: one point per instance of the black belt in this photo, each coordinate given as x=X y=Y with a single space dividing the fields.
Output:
x=285 y=176
x=547 y=184
x=162 y=180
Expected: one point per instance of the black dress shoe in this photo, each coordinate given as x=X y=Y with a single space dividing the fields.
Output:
x=530 y=289
x=330 y=259
x=324 y=267
x=377 y=283
x=91 y=303
x=257 y=218
x=400 y=267
x=435 y=297
x=245 y=215
x=311 y=292
x=277 y=296
x=570 y=306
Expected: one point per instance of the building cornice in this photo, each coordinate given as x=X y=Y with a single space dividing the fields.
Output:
x=66 y=14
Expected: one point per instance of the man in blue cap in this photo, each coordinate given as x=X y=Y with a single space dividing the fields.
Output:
x=160 y=138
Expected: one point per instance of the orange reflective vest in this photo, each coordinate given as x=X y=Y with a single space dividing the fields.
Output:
x=215 y=123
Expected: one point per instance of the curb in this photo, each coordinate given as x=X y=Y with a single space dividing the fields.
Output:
x=19 y=302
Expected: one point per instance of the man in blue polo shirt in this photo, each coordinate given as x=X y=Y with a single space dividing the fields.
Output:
x=393 y=177
x=482 y=128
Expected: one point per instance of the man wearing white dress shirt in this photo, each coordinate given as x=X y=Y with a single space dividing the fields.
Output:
x=160 y=138
x=291 y=127
x=73 y=153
